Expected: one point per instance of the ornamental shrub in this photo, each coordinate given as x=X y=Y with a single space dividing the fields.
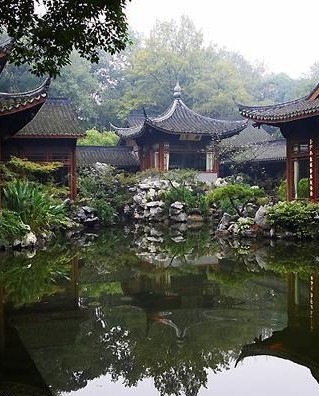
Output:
x=234 y=198
x=186 y=188
x=34 y=205
x=303 y=189
x=11 y=226
x=300 y=218
x=107 y=190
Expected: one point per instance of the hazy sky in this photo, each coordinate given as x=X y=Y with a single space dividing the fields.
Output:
x=282 y=34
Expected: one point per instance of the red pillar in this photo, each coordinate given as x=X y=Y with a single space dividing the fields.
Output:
x=72 y=175
x=161 y=161
x=289 y=172
x=312 y=170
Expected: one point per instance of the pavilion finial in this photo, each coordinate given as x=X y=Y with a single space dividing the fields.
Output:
x=177 y=91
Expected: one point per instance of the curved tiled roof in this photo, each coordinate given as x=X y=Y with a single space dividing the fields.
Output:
x=17 y=110
x=305 y=107
x=15 y=102
x=119 y=157
x=267 y=151
x=247 y=136
x=55 y=119
x=179 y=119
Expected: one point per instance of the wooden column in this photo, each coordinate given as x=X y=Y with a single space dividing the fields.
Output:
x=72 y=176
x=289 y=170
x=312 y=170
x=161 y=165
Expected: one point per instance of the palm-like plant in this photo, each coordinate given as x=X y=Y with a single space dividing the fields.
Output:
x=34 y=204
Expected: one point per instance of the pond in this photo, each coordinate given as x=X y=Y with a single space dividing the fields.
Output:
x=160 y=312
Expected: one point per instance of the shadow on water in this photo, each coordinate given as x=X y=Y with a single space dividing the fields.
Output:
x=154 y=304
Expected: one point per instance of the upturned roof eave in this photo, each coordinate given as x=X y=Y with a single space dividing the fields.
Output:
x=27 y=94
x=278 y=120
x=25 y=100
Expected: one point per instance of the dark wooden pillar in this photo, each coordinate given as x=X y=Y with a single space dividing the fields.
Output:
x=161 y=161
x=312 y=170
x=289 y=170
x=72 y=175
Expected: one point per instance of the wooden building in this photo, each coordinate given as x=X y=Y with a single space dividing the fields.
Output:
x=255 y=153
x=40 y=134
x=50 y=137
x=121 y=158
x=298 y=121
x=178 y=138
x=17 y=110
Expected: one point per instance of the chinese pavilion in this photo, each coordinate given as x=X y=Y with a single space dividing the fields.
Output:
x=50 y=136
x=298 y=121
x=178 y=138
x=16 y=110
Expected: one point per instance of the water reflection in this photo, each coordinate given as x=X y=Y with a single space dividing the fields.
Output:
x=156 y=310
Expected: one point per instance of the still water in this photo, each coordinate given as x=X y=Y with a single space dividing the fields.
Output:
x=159 y=312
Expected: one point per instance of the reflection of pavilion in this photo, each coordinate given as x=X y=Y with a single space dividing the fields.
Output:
x=177 y=302
x=299 y=341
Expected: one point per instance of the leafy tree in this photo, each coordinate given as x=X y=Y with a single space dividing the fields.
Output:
x=47 y=31
x=235 y=197
x=96 y=138
x=77 y=83
x=209 y=76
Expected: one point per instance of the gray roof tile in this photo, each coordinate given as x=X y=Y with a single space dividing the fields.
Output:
x=179 y=119
x=119 y=157
x=305 y=107
x=55 y=119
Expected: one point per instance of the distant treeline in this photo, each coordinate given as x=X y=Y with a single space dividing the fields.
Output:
x=142 y=78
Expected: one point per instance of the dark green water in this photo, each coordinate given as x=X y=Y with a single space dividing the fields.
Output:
x=151 y=313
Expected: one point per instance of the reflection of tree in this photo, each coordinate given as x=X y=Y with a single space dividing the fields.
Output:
x=28 y=279
x=171 y=324
x=301 y=258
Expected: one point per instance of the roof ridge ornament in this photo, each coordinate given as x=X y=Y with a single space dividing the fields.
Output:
x=177 y=91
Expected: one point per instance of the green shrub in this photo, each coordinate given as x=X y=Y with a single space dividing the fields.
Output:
x=185 y=188
x=11 y=226
x=107 y=188
x=296 y=217
x=234 y=198
x=94 y=137
x=34 y=205
x=281 y=190
x=104 y=210
x=303 y=189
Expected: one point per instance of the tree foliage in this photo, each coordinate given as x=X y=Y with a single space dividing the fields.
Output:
x=47 y=31
x=143 y=76
x=94 y=137
x=235 y=197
